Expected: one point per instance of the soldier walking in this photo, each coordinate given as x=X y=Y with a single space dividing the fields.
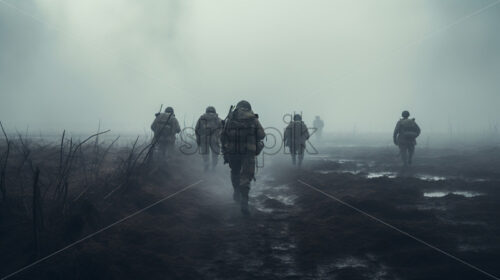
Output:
x=318 y=125
x=241 y=143
x=207 y=130
x=165 y=127
x=405 y=135
x=296 y=135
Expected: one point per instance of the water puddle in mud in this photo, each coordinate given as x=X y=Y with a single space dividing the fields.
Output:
x=373 y=175
x=438 y=194
x=393 y=175
x=431 y=178
x=324 y=172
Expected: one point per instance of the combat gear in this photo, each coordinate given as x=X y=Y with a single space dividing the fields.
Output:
x=242 y=131
x=207 y=130
x=295 y=137
x=241 y=134
x=404 y=136
x=244 y=104
x=165 y=127
x=169 y=110
x=210 y=109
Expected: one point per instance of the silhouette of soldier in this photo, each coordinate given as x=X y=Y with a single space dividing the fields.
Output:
x=405 y=135
x=207 y=130
x=318 y=125
x=241 y=142
x=296 y=135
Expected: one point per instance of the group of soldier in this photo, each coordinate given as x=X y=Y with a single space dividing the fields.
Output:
x=239 y=138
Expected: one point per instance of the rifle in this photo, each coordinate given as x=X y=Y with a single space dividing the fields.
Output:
x=159 y=112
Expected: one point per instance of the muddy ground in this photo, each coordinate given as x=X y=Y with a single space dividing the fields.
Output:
x=449 y=199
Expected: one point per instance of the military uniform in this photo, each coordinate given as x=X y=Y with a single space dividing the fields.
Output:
x=404 y=137
x=296 y=135
x=242 y=132
x=165 y=127
x=207 y=130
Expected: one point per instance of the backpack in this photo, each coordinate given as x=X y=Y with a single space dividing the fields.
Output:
x=408 y=129
x=209 y=123
x=238 y=132
x=163 y=126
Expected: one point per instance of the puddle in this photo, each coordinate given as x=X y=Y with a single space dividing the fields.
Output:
x=350 y=263
x=439 y=194
x=431 y=178
x=373 y=175
x=324 y=172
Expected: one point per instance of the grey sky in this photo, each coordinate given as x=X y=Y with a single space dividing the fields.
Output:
x=118 y=60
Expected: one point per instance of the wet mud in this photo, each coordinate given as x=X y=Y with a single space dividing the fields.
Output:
x=294 y=232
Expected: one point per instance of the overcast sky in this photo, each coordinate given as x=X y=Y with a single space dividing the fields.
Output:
x=68 y=64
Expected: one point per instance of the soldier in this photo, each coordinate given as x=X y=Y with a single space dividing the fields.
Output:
x=296 y=135
x=241 y=143
x=165 y=127
x=318 y=125
x=405 y=135
x=207 y=130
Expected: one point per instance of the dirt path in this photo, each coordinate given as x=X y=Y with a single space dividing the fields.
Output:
x=261 y=246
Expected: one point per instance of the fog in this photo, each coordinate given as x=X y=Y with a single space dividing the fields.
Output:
x=358 y=64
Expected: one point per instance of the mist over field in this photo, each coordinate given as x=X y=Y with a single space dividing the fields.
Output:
x=357 y=64
x=91 y=189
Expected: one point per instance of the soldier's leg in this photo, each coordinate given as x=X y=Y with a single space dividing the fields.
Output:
x=215 y=147
x=235 y=166
x=301 y=154
x=170 y=145
x=411 y=151
x=247 y=174
x=162 y=151
x=204 y=151
x=403 y=150
x=293 y=152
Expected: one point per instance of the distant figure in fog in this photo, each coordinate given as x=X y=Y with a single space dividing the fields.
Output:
x=318 y=125
x=405 y=135
x=207 y=130
x=165 y=127
x=241 y=142
x=296 y=135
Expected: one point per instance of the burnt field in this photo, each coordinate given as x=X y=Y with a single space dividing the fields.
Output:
x=372 y=226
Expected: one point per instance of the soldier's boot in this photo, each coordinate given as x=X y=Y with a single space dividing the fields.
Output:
x=301 y=158
x=235 y=180
x=294 y=159
x=244 y=200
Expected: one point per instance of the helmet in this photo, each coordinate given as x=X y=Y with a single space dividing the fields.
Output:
x=210 y=109
x=169 y=110
x=405 y=114
x=297 y=117
x=244 y=104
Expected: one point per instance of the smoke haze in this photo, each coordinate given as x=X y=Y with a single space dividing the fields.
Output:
x=69 y=65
